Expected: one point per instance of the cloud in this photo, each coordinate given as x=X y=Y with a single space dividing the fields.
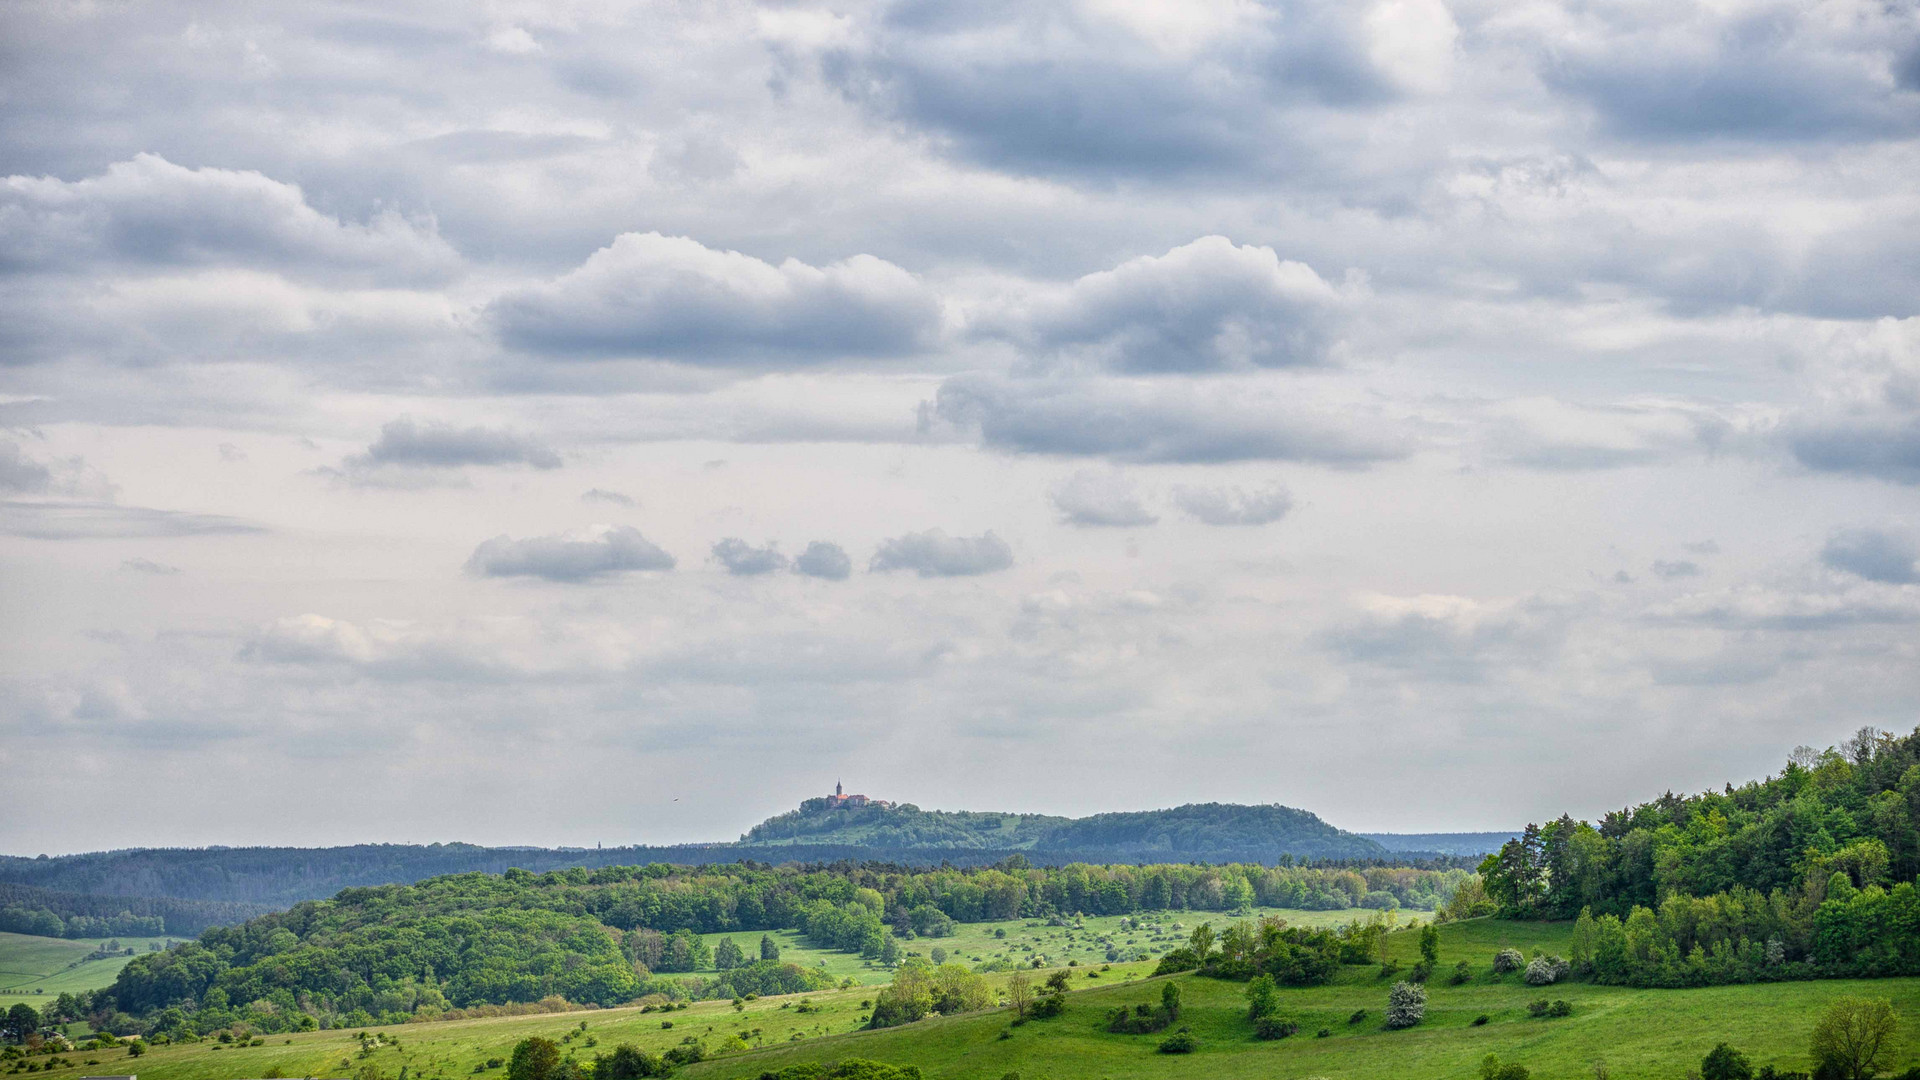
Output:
x=147 y=566
x=1756 y=606
x=20 y=473
x=148 y=213
x=98 y=520
x=1158 y=422
x=1061 y=87
x=1680 y=568
x=824 y=560
x=935 y=554
x=1884 y=448
x=1875 y=554
x=605 y=496
x=1234 y=505
x=1767 y=71
x=409 y=444
x=670 y=297
x=1100 y=499
x=1205 y=306
x=616 y=549
x=1449 y=638
x=743 y=559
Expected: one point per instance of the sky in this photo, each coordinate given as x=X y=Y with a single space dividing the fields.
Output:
x=563 y=423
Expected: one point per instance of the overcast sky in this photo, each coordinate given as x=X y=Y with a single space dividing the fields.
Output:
x=558 y=423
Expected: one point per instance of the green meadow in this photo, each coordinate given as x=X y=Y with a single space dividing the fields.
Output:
x=1016 y=942
x=54 y=966
x=1636 y=1033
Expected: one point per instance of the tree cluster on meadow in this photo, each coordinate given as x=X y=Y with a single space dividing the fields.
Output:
x=1810 y=873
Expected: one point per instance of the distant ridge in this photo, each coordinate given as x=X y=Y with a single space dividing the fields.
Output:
x=1443 y=843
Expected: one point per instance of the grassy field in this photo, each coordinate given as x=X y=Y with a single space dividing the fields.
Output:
x=1638 y=1033
x=1018 y=941
x=56 y=965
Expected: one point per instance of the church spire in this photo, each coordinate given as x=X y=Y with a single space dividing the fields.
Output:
x=836 y=787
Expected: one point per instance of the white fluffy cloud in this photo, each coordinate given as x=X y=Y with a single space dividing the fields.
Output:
x=648 y=295
x=1101 y=499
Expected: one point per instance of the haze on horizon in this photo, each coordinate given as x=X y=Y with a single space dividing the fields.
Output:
x=559 y=423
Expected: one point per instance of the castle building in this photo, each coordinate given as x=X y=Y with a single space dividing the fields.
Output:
x=839 y=800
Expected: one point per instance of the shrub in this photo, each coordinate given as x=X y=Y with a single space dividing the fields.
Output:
x=1481 y=1020
x=1406 y=1005
x=1538 y=1008
x=1180 y=1042
x=1358 y=1015
x=1723 y=1062
x=1272 y=1027
x=1492 y=1069
x=1507 y=960
x=1560 y=1007
x=1421 y=972
x=1323 y=1033
x=1462 y=973
x=1545 y=971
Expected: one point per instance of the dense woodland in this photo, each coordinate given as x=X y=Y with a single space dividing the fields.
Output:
x=608 y=936
x=50 y=913
x=1810 y=872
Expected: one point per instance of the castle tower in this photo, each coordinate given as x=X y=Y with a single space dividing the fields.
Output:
x=836 y=788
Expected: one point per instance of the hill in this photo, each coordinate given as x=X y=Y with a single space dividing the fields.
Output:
x=1463 y=843
x=1202 y=832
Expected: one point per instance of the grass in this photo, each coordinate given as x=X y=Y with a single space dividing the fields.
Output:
x=54 y=966
x=975 y=943
x=1638 y=1033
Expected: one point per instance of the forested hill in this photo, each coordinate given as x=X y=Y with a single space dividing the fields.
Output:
x=1196 y=832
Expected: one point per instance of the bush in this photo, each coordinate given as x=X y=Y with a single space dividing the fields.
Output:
x=1462 y=973
x=1508 y=960
x=1272 y=1027
x=1179 y=1043
x=1538 y=1008
x=1545 y=971
x=1358 y=1015
x=1406 y=1005
x=1492 y=1069
x=1481 y=1020
x=1723 y=1062
x=1421 y=972
x=1323 y=1033
x=1560 y=1008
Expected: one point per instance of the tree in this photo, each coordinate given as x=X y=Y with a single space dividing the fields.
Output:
x=1263 y=999
x=1430 y=944
x=1170 y=1001
x=1201 y=942
x=1406 y=1005
x=627 y=1062
x=534 y=1059
x=727 y=955
x=938 y=955
x=21 y=1021
x=769 y=948
x=1019 y=992
x=890 y=951
x=1723 y=1062
x=1847 y=1042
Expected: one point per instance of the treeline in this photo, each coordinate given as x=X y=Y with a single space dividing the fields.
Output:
x=1810 y=873
x=606 y=936
x=259 y=879
x=50 y=913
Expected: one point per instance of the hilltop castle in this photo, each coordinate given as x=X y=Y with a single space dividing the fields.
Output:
x=840 y=801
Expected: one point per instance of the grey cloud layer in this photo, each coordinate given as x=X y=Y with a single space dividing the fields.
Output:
x=406 y=442
x=1234 y=505
x=1885 y=555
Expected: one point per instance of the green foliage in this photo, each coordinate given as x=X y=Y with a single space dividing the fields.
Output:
x=1263 y=997
x=850 y=1069
x=535 y=1059
x=1850 y=1040
x=1491 y=1068
x=727 y=955
x=627 y=1062
x=1430 y=945
x=1810 y=872
x=1723 y=1062
x=1181 y=1042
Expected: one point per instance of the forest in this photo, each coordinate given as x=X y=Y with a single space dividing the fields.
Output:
x=1806 y=873
x=606 y=936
